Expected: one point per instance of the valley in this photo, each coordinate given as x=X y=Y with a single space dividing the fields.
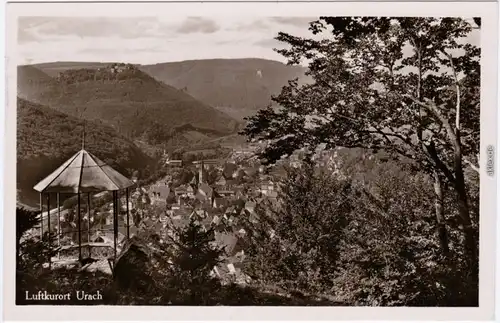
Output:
x=141 y=110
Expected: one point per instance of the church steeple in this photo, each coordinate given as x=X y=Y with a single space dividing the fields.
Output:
x=200 y=176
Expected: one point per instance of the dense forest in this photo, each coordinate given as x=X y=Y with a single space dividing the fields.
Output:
x=237 y=86
x=133 y=103
x=46 y=138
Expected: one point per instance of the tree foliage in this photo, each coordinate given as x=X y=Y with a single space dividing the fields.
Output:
x=363 y=239
x=409 y=86
x=296 y=242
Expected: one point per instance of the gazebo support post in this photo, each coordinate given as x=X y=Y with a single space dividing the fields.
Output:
x=88 y=231
x=128 y=220
x=58 y=182
x=79 y=230
x=58 y=223
x=41 y=215
x=48 y=228
x=115 y=222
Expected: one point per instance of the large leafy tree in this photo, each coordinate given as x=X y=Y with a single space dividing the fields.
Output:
x=409 y=86
x=294 y=243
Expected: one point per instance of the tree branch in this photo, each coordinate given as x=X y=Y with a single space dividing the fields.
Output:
x=474 y=167
x=390 y=143
x=432 y=153
x=431 y=106
x=457 y=87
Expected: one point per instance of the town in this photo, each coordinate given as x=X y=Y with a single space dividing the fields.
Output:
x=217 y=193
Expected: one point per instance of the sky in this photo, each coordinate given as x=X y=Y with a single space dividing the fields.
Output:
x=147 y=40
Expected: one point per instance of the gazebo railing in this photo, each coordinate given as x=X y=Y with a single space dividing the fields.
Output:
x=88 y=233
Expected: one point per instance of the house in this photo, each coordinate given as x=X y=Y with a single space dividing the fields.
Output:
x=250 y=206
x=194 y=181
x=214 y=273
x=109 y=219
x=181 y=190
x=267 y=187
x=206 y=194
x=190 y=190
x=216 y=220
x=226 y=193
x=206 y=191
x=180 y=222
x=231 y=268
x=239 y=175
x=107 y=237
x=145 y=199
x=181 y=212
x=229 y=169
x=272 y=195
x=219 y=202
x=160 y=193
x=221 y=182
x=136 y=194
x=241 y=232
x=251 y=171
x=132 y=230
x=201 y=213
x=174 y=163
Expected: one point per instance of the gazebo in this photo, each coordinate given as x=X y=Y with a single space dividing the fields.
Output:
x=80 y=174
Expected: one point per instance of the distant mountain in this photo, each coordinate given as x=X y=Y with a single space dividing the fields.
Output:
x=54 y=68
x=46 y=138
x=31 y=81
x=237 y=87
x=133 y=102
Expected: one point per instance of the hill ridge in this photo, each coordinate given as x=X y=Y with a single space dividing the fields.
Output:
x=132 y=102
x=46 y=138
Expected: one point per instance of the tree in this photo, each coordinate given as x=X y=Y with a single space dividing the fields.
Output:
x=388 y=254
x=32 y=251
x=409 y=86
x=25 y=220
x=295 y=242
x=194 y=257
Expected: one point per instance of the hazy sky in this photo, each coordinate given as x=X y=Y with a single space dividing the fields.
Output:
x=146 y=40
x=151 y=39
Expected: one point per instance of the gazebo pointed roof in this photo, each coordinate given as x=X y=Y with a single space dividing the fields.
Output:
x=83 y=173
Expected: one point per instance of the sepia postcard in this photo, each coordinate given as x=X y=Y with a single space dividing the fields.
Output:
x=250 y=161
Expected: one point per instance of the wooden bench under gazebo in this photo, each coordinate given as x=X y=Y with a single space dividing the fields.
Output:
x=85 y=174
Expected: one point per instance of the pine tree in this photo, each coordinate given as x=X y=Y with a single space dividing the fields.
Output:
x=194 y=257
